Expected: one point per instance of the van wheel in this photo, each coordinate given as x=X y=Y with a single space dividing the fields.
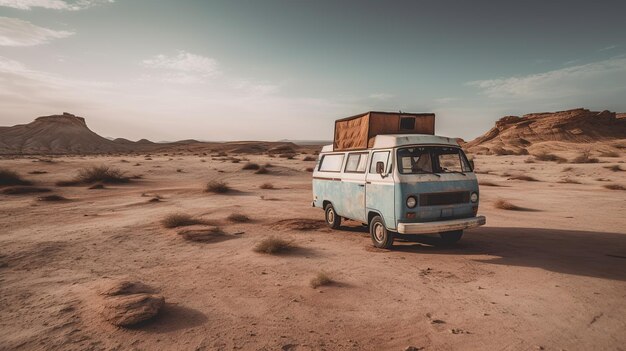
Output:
x=381 y=237
x=451 y=237
x=332 y=218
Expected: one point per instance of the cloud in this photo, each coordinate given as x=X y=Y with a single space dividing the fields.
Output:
x=16 y=32
x=53 y=4
x=610 y=47
x=184 y=62
x=589 y=79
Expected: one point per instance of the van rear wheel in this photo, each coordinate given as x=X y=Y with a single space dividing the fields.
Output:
x=381 y=237
x=451 y=237
x=332 y=218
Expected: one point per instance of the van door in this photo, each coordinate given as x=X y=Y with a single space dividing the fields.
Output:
x=353 y=186
x=379 y=188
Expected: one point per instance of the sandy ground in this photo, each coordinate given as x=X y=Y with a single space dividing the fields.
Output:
x=553 y=278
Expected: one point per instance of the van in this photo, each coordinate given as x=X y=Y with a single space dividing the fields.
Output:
x=402 y=184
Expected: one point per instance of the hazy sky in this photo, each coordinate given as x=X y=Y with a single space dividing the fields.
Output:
x=286 y=69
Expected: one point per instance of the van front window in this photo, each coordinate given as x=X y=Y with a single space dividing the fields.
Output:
x=432 y=159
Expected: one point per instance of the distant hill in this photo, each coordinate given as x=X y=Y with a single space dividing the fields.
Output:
x=514 y=135
x=56 y=134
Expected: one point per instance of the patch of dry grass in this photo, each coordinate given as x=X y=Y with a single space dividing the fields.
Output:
x=19 y=190
x=524 y=178
x=217 y=187
x=238 y=218
x=10 y=177
x=262 y=170
x=180 y=220
x=321 y=279
x=615 y=187
x=274 y=246
x=267 y=186
x=506 y=205
x=585 y=157
x=250 y=166
x=97 y=174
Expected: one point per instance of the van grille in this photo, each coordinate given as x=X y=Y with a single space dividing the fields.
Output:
x=449 y=198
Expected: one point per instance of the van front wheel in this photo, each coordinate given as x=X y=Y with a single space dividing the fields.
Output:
x=381 y=237
x=332 y=218
x=451 y=237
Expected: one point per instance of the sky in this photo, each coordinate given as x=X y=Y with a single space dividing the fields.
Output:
x=286 y=69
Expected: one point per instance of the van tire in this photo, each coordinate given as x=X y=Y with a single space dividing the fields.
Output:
x=381 y=237
x=451 y=237
x=332 y=218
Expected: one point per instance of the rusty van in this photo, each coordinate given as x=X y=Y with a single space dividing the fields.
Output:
x=390 y=172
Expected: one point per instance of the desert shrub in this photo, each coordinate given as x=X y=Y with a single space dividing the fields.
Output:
x=274 y=245
x=100 y=174
x=614 y=168
x=524 y=177
x=487 y=183
x=609 y=154
x=569 y=181
x=267 y=186
x=615 y=187
x=217 y=186
x=309 y=158
x=585 y=157
x=238 y=218
x=37 y=172
x=321 y=279
x=250 y=165
x=52 y=198
x=545 y=156
x=262 y=170
x=19 y=190
x=9 y=177
x=180 y=220
x=506 y=205
x=310 y=169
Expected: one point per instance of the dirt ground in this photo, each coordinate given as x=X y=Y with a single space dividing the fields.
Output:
x=552 y=277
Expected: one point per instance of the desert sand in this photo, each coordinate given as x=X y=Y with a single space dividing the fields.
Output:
x=550 y=277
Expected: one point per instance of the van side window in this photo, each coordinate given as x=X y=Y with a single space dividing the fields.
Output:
x=331 y=163
x=380 y=156
x=357 y=163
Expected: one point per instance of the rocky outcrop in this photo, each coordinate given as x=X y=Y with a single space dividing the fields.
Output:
x=513 y=134
x=126 y=303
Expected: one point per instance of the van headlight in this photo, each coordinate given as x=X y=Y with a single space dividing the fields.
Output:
x=474 y=197
x=411 y=202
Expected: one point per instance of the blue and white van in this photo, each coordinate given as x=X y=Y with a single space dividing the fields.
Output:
x=404 y=184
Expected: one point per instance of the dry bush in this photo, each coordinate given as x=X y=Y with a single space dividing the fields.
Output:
x=267 y=186
x=523 y=177
x=97 y=174
x=180 y=220
x=217 y=186
x=545 y=156
x=203 y=235
x=615 y=187
x=487 y=183
x=250 y=165
x=19 y=190
x=321 y=279
x=609 y=154
x=614 y=168
x=569 y=181
x=9 y=177
x=273 y=246
x=52 y=198
x=309 y=158
x=262 y=170
x=585 y=157
x=310 y=169
x=239 y=218
x=37 y=172
x=506 y=205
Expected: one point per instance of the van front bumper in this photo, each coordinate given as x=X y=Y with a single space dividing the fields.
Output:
x=441 y=226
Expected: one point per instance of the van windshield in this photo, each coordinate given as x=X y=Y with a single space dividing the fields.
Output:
x=432 y=159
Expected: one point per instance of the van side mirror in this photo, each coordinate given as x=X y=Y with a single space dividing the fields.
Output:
x=380 y=167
